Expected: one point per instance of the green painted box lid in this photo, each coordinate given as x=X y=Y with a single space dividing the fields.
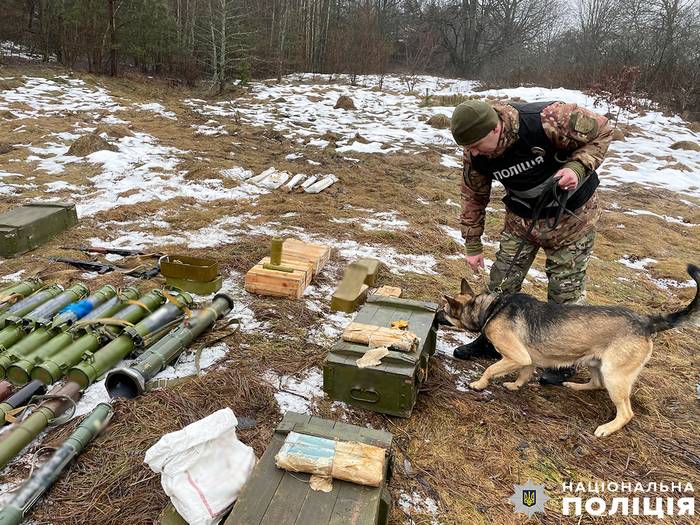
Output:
x=392 y=386
x=273 y=496
x=27 y=227
x=382 y=311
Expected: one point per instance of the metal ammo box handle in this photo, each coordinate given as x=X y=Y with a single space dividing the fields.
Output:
x=372 y=398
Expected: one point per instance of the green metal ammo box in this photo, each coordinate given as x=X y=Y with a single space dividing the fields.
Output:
x=273 y=496
x=24 y=228
x=391 y=387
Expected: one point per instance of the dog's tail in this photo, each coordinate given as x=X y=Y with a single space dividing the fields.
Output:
x=689 y=315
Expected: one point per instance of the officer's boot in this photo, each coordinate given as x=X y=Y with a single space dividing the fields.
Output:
x=479 y=347
x=556 y=376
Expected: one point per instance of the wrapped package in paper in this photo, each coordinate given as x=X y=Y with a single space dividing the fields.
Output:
x=374 y=336
x=347 y=460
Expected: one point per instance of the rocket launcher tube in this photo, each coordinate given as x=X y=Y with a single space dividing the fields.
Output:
x=43 y=314
x=10 y=336
x=7 y=287
x=21 y=398
x=10 y=294
x=131 y=381
x=87 y=371
x=19 y=373
x=23 y=347
x=24 y=499
x=60 y=399
x=28 y=304
x=71 y=313
x=113 y=305
x=53 y=368
x=13 y=331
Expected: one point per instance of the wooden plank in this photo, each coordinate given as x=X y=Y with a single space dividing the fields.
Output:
x=388 y=291
x=318 y=506
x=296 y=417
x=252 y=503
x=382 y=317
x=355 y=505
x=317 y=254
x=299 y=266
x=288 y=500
x=321 y=423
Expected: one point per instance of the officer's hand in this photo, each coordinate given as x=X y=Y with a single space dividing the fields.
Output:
x=475 y=261
x=567 y=179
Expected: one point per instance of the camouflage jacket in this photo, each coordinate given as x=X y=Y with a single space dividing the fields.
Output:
x=563 y=124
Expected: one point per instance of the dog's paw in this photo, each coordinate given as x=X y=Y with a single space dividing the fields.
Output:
x=512 y=385
x=605 y=430
x=478 y=385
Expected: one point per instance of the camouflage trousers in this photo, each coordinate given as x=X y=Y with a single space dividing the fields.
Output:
x=565 y=267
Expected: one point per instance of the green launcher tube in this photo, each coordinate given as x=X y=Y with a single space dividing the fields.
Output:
x=20 y=372
x=42 y=315
x=25 y=432
x=36 y=319
x=26 y=305
x=87 y=371
x=21 y=502
x=10 y=294
x=13 y=330
x=70 y=314
x=20 y=398
x=55 y=366
x=131 y=381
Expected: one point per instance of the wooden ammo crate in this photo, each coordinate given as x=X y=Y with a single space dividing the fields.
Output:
x=262 y=281
x=306 y=259
x=273 y=496
x=392 y=386
x=24 y=228
x=316 y=254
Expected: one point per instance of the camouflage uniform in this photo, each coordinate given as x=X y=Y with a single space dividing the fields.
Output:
x=584 y=137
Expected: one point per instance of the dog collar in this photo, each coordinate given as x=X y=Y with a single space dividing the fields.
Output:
x=492 y=309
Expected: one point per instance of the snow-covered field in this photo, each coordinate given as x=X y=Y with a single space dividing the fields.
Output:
x=302 y=107
x=147 y=169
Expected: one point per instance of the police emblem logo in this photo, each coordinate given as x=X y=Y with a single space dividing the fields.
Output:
x=529 y=498
x=538 y=151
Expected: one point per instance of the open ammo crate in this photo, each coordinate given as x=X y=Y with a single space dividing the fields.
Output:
x=273 y=496
x=391 y=387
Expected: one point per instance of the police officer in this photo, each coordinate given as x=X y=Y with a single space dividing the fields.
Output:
x=545 y=155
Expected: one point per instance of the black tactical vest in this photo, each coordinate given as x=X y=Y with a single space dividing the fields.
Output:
x=525 y=168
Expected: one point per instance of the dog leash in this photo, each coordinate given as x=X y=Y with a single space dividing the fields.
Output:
x=557 y=195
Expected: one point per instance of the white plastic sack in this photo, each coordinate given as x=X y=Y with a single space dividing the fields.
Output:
x=203 y=467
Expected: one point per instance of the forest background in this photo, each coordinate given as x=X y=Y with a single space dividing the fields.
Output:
x=623 y=49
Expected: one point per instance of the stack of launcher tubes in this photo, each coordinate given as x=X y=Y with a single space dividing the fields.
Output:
x=70 y=338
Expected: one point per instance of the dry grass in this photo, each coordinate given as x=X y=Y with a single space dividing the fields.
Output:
x=463 y=449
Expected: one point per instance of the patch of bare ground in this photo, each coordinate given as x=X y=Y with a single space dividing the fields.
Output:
x=463 y=449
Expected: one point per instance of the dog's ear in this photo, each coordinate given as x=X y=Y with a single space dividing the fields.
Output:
x=454 y=304
x=465 y=289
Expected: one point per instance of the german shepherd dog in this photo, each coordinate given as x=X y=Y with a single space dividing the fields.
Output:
x=612 y=341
